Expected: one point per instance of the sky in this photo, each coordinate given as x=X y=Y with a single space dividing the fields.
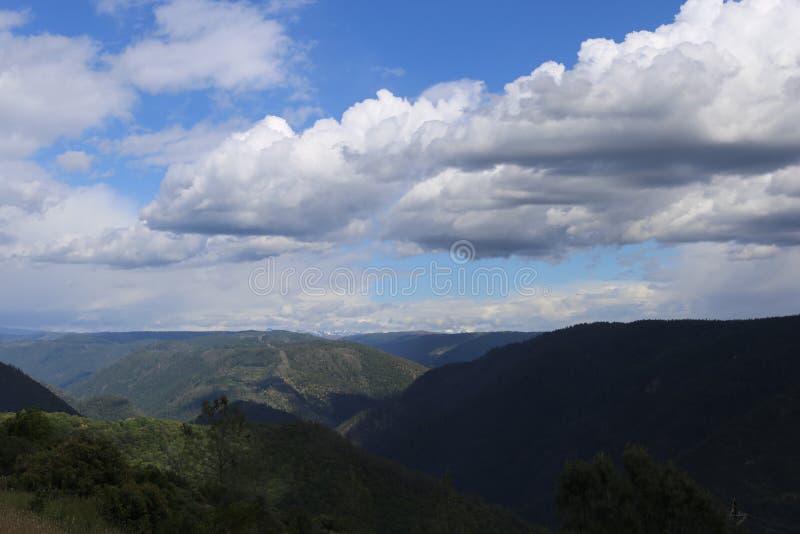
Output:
x=333 y=166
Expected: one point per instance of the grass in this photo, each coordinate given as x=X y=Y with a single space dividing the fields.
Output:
x=64 y=515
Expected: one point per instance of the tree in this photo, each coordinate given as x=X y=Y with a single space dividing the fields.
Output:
x=646 y=498
x=226 y=437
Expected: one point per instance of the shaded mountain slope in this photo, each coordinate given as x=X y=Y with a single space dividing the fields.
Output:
x=433 y=349
x=311 y=378
x=720 y=398
x=19 y=391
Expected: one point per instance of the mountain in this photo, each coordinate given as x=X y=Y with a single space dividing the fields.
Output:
x=312 y=378
x=108 y=408
x=19 y=391
x=159 y=476
x=256 y=413
x=14 y=334
x=62 y=359
x=721 y=399
x=433 y=349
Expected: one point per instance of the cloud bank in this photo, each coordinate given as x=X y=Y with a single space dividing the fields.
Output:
x=684 y=134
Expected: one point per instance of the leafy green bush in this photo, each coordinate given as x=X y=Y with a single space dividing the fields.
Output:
x=31 y=424
x=80 y=465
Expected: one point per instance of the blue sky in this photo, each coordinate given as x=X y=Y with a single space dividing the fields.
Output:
x=616 y=148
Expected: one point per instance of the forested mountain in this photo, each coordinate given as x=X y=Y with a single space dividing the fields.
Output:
x=62 y=359
x=435 y=349
x=19 y=391
x=146 y=475
x=719 y=398
x=311 y=378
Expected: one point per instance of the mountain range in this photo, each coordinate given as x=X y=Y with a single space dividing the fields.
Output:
x=306 y=376
x=63 y=359
x=719 y=398
x=434 y=349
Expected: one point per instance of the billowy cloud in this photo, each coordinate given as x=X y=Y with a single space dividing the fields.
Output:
x=684 y=134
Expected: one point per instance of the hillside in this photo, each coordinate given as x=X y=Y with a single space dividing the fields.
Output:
x=63 y=359
x=720 y=398
x=107 y=408
x=311 y=378
x=300 y=477
x=434 y=349
x=19 y=391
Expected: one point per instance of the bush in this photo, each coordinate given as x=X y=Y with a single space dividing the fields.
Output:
x=647 y=497
x=31 y=424
x=81 y=465
x=140 y=507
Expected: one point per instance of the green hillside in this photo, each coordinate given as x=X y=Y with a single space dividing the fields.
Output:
x=719 y=398
x=435 y=349
x=108 y=408
x=63 y=359
x=159 y=476
x=312 y=378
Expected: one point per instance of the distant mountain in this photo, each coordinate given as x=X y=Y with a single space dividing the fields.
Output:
x=254 y=412
x=108 y=408
x=62 y=359
x=308 y=377
x=719 y=398
x=433 y=349
x=15 y=334
x=19 y=391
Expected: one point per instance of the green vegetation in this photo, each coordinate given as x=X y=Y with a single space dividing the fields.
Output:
x=720 y=399
x=312 y=378
x=108 y=408
x=433 y=349
x=648 y=497
x=228 y=476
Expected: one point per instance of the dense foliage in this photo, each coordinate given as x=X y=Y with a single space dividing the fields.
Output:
x=227 y=476
x=647 y=497
x=312 y=378
x=19 y=391
x=719 y=398
x=435 y=349
x=108 y=408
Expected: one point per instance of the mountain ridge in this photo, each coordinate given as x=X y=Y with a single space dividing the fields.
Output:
x=503 y=425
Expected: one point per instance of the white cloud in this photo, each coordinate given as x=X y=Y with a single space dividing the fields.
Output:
x=51 y=89
x=12 y=19
x=270 y=180
x=174 y=144
x=75 y=161
x=200 y=44
x=283 y=6
x=684 y=134
x=115 y=7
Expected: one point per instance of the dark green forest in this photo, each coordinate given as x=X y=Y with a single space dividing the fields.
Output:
x=720 y=399
x=652 y=426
